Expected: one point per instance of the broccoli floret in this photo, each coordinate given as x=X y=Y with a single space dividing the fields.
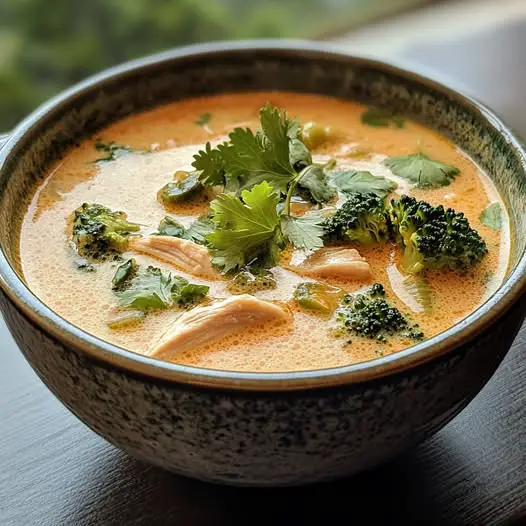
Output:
x=369 y=314
x=434 y=237
x=99 y=233
x=361 y=218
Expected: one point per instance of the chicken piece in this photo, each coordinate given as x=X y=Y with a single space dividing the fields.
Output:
x=202 y=325
x=182 y=253
x=336 y=262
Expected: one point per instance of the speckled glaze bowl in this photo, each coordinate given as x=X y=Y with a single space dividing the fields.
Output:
x=251 y=428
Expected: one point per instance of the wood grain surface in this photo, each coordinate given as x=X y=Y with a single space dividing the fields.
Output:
x=54 y=471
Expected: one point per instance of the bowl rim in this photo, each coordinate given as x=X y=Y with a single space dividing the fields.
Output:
x=114 y=356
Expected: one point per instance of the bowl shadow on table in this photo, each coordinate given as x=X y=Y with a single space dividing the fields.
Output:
x=130 y=492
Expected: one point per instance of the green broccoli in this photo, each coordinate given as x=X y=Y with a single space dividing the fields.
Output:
x=362 y=218
x=434 y=237
x=370 y=315
x=99 y=233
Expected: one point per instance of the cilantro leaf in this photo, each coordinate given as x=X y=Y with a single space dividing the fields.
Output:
x=248 y=158
x=314 y=179
x=277 y=131
x=253 y=158
x=293 y=127
x=381 y=118
x=156 y=289
x=299 y=155
x=199 y=229
x=304 y=231
x=185 y=293
x=422 y=170
x=170 y=227
x=210 y=163
x=491 y=216
x=362 y=182
x=125 y=272
x=149 y=290
x=195 y=231
x=246 y=228
x=274 y=153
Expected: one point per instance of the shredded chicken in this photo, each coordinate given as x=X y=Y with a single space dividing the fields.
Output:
x=336 y=262
x=187 y=255
x=202 y=325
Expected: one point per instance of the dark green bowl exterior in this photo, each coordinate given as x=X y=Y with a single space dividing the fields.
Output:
x=257 y=436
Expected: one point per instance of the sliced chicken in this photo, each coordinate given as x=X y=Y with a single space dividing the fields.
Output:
x=186 y=255
x=336 y=262
x=203 y=325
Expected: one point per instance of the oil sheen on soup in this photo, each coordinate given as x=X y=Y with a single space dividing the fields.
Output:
x=124 y=167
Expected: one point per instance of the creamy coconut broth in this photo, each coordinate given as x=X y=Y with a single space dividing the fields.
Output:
x=164 y=141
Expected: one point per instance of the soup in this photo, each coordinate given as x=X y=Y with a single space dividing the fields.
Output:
x=317 y=241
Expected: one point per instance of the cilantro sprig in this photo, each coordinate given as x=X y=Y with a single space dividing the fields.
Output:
x=261 y=172
x=274 y=153
x=246 y=228
x=251 y=230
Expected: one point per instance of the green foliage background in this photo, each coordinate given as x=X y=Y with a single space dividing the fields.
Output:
x=47 y=45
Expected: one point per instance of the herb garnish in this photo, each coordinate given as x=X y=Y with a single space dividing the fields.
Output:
x=422 y=170
x=195 y=231
x=491 y=216
x=246 y=228
x=153 y=288
x=362 y=182
x=274 y=154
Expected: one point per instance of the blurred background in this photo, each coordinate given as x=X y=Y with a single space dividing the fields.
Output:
x=47 y=45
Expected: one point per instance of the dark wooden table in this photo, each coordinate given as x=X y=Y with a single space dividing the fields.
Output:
x=54 y=471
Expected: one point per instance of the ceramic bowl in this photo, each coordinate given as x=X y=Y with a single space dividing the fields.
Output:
x=260 y=428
